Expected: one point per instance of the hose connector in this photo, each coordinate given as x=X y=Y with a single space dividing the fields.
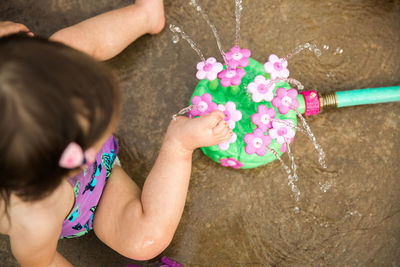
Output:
x=328 y=100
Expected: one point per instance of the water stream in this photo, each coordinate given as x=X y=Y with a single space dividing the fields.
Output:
x=175 y=39
x=212 y=26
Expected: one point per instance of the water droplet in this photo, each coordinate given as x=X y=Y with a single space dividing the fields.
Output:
x=296 y=210
x=177 y=29
x=175 y=39
x=306 y=45
x=326 y=47
x=198 y=8
x=339 y=50
x=317 y=52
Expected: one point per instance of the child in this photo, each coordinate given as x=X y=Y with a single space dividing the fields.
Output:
x=58 y=108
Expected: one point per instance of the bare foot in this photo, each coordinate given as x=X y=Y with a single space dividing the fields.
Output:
x=208 y=130
x=155 y=14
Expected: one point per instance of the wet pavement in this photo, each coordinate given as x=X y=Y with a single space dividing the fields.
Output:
x=348 y=215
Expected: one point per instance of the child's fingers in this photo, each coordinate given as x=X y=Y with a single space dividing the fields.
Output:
x=9 y=27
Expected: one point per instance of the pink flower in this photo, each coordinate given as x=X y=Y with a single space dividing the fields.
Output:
x=276 y=67
x=263 y=117
x=281 y=132
x=285 y=100
x=231 y=77
x=238 y=57
x=261 y=89
x=208 y=69
x=256 y=142
x=202 y=105
x=225 y=145
x=232 y=115
x=231 y=162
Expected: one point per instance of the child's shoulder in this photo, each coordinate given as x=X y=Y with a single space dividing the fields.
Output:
x=39 y=216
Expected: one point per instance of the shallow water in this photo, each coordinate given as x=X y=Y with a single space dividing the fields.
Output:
x=250 y=218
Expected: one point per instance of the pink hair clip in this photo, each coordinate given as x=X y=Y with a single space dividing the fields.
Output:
x=73 y=156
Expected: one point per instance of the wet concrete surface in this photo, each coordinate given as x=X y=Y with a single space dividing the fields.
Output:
x=250 y=218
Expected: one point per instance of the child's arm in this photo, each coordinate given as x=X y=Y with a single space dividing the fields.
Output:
x=106 y=35
x=141 y=225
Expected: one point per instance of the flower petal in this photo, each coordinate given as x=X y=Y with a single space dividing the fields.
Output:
x=222 y=74
x=200 y=65
x=268 y=67
x=211 y=60
x=230 y=106
x=201 y=74
x=196 y=100
x=292 y=93
x=281 y=92
x=273 y=58
x=246 y=52
x=261 y=151
x=283 y=109
x=252 y=87
x=262 y=109
x=284 y=73
x=206 y=97
x=244 y=61
x=217 y=67
x=241 y=72
x=260 y=79
x=211 y=76
x=236 y=80
x=224 y=146
x=257 y=97
x=225 y=82
x=250 y=149
x=248 y=138
x=276 y=102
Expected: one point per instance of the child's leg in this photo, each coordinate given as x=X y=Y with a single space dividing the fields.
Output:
x=106 y=35
x=141 y=225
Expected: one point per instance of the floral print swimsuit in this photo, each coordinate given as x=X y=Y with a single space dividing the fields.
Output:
x=88 y=188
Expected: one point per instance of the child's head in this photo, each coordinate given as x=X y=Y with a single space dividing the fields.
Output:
x=50 y=95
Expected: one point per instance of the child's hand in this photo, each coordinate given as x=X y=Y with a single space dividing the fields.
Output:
x=207 y=130
x=9 y=27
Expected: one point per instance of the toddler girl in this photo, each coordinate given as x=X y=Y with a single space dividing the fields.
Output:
x=58 y=109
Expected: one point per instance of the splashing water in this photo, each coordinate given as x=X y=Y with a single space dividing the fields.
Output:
x=299 y=85
x=293 y=166
x=291 y=178
x=311 y=136
x=325 y=187
x=273 y=151
x=238 y=11
x=182 y=112
x=338 y=51
x=175 y=39
x=310 y=46
x=214 y=30
x=290 y=125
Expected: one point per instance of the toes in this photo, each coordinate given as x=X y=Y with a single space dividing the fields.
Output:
x=220 y=128
x=213 y=119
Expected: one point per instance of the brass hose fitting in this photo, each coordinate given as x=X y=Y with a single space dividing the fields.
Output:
x=327 y=100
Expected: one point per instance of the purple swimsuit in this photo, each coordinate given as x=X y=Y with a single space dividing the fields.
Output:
x=88 y=188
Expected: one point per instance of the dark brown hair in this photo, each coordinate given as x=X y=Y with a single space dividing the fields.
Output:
x=50 y=95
